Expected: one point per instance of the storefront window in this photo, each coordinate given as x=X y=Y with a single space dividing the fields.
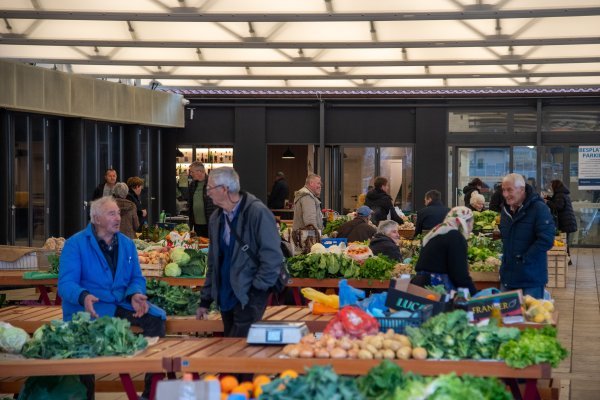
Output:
x=359 y=173
x=586 y=204
x=396 y=165
x=489 y=164
x=477 y=122
x=571 y=120
x=525 y=163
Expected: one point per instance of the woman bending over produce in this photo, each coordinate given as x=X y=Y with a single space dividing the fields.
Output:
x=443 y=258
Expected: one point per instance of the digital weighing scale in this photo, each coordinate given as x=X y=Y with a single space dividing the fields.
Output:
x=272 y=332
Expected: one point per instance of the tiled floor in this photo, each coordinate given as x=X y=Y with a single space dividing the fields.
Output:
x=578 y=328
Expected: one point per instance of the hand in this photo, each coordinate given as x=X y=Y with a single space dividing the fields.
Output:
x=144 y=213
x=201 y=313
x=139 y=304
x=88 y=303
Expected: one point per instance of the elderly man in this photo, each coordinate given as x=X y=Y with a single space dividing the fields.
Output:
x=200 y=205
x=307 y=206
x=106 y=188
x=434 y=212
x=386 y=240
x=244 y=257
x=477 y=202
x=527 y=230
x=359 y=229
x=100 y=273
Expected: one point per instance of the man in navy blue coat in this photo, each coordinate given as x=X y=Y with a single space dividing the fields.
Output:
x=527 y=230
x=434 y=212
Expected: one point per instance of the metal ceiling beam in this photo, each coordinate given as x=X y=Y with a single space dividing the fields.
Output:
x=491 y=42
x=286 y=64
x=211 y=77
x=300 y=17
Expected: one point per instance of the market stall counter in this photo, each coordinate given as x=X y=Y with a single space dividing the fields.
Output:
x=16 y=278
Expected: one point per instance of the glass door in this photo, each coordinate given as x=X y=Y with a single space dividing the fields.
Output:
x=358 y=166
x=586 y=204
x=20 y=207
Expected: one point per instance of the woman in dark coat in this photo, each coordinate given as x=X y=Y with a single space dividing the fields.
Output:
x=562 y=209
x=386 y=240
x=474 y=186
x=381 y=202
x=443 y=258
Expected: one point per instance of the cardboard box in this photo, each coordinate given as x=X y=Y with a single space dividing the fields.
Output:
x=331 y=241
x=510 y=306
x=403 y=295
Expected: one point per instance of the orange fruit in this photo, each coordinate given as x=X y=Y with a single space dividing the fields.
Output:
x=257 y=392
x=224 y=396
x=228 y=382
x=289 y=373
x=260 y=380
x=249 y=386
x=240 y=390
x=210 y=378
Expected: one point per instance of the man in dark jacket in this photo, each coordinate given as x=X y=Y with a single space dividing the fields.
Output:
x=527 y=232
x=496 y=199
x=381 y=202
x=234 y=280
x=433 y=213
x=106 y=188
x=279 y=193
x=358 y=229
x=199 y=204
x=386 y=240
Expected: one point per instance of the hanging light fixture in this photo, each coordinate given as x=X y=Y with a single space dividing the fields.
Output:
x=287 y=154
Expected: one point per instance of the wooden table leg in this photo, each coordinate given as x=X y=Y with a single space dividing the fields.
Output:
x=297 y=297
x=128 y=386
x=155 y=378
x=531 y=390
x=44 y=298
x=514 y=388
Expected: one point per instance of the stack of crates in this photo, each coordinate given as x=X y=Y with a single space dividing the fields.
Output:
x=557 y=264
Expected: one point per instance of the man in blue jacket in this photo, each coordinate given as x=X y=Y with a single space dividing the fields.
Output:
x=100 y=273
x=433 y=214
x=244 y=257
x=527 y=231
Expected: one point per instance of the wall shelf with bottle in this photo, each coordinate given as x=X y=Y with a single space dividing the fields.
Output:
x=214 y=157
x=183 y=163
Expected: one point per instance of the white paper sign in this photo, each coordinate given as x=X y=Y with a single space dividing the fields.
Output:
x=589 y=168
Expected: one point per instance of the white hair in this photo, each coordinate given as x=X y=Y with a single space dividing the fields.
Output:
x=97 y=206
x=227 y=177
x=476 y=198
x=515 y=179
x=386 y=226
x=120 y=190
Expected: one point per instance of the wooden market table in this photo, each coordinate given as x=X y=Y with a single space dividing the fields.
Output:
x=231 y=355
x=154 y=359
x=15 y=278
x=484 y=280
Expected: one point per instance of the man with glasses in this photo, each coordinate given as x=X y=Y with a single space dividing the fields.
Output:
x=199 y=204
x=244 y=257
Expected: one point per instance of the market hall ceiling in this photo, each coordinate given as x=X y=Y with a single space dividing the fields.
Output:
x=311 y=44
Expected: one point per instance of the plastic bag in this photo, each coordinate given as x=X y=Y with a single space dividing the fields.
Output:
x=349 y=296
x=329 y=300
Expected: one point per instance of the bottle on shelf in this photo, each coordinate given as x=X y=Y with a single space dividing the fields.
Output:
x=144 y=235
x=496 y=313
x=155 y=233
x=162 y=217
x=209 y=157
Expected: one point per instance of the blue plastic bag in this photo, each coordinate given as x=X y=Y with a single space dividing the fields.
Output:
x=349 y=296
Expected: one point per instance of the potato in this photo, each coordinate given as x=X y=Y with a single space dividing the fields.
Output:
x=388 y=354
x=321 y=353
x=395 y=346
x=338 y=353
x=306 y=352
x=371 y=349
x=378 y=355
x=365 y=355
x=404 y=353
x=352 y=353
x=419 y=353
x=389 y=334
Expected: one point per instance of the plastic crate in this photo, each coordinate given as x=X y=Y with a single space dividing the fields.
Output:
x=326 y=242
x=400 y=324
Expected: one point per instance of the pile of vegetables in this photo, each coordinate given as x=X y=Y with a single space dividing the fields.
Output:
x=484 y=254
x=352 y=322
x=333 y=226
x=54 y=261
x=175 y=300
x=450 y=336
x=186 y=262
x=327 y=265
x=538 y=310
x=12 y=339
x=484 y=220
x=534 y=346
x=82 y=338
x=385 y=381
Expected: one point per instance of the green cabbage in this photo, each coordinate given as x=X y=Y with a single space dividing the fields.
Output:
x=179 y=256
x=172 y=269
x=12 y=338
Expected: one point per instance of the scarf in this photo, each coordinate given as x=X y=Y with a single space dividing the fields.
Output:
x=457 y=219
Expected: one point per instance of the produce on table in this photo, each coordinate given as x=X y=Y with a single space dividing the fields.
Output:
x=172 y=270
x=12 y=339
x=321 y=266
x=154 y=255
x=333 y=226
x=484 y=254
x=353 y=322
x=179 y=256
x=175 y=300
x=403 y=269
x=197 y=265
x=450 y=336
x=534 y=346
x=53 y=243
x=407 y=226
x=380 y=267
x=383 y=380
x=484 y=220
x=82 y=337
x=54 y=261
x=558 y=243
x=318 y=248
x=358 y=252
x=183 y=227
x=539 y=311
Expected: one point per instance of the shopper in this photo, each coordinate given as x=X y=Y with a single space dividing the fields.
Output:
x=386 y=240
x=307 y=206
x=106 y=187
x=244 y=257
x=100 y=273
x=562 y=209
x=476 y=185
x=527 y=232
x=496 y=200
x=279 y=192
x=477 y=202
x=380 y=201
x=443 y=258
x=200 y=205
x=129 y=218
x=136 y=185
x=358 y=229
x=433 y=213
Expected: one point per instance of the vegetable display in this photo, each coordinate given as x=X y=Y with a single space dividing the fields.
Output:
x=175 y=300
x=83 y=337
x=54 y=261
x=485 y=220
x=484 y=254
x=534 y=346
x=333 y=226
x=12 y=339
x=328 y=265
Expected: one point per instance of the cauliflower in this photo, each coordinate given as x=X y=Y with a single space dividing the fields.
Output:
x=172 y=269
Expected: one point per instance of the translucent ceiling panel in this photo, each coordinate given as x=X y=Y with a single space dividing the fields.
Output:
x=342 y=32
x=423 y=30
x=101 y=30
x=581 y=50
x=181 y=31
x=569 y=27
x=10 y=51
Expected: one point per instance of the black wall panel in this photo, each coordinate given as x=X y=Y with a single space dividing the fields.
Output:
x=74 y=190
x=4 y=171
x=430 y=154
x=209 y=125
x=292 y=125
x=250 y=160
x=369 y=125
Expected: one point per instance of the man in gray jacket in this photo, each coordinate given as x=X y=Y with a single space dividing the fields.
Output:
x=244 y=257
x=307 y=206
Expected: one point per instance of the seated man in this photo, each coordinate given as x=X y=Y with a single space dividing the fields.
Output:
x=433 y=213
x=386 y=240
x=359 y=229
x=100 y=273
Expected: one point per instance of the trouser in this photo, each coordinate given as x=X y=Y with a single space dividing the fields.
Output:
x=151 y=326
x=201 y=230
x=536 y=292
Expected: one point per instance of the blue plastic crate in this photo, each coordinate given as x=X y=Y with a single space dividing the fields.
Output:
x=400 y=324
x=331 y=241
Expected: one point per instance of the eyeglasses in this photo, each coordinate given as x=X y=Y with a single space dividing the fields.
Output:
x=209 y=188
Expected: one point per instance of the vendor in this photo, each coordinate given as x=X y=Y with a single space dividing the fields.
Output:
x=385 y=241
x=359 y=229
x=443 y=258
